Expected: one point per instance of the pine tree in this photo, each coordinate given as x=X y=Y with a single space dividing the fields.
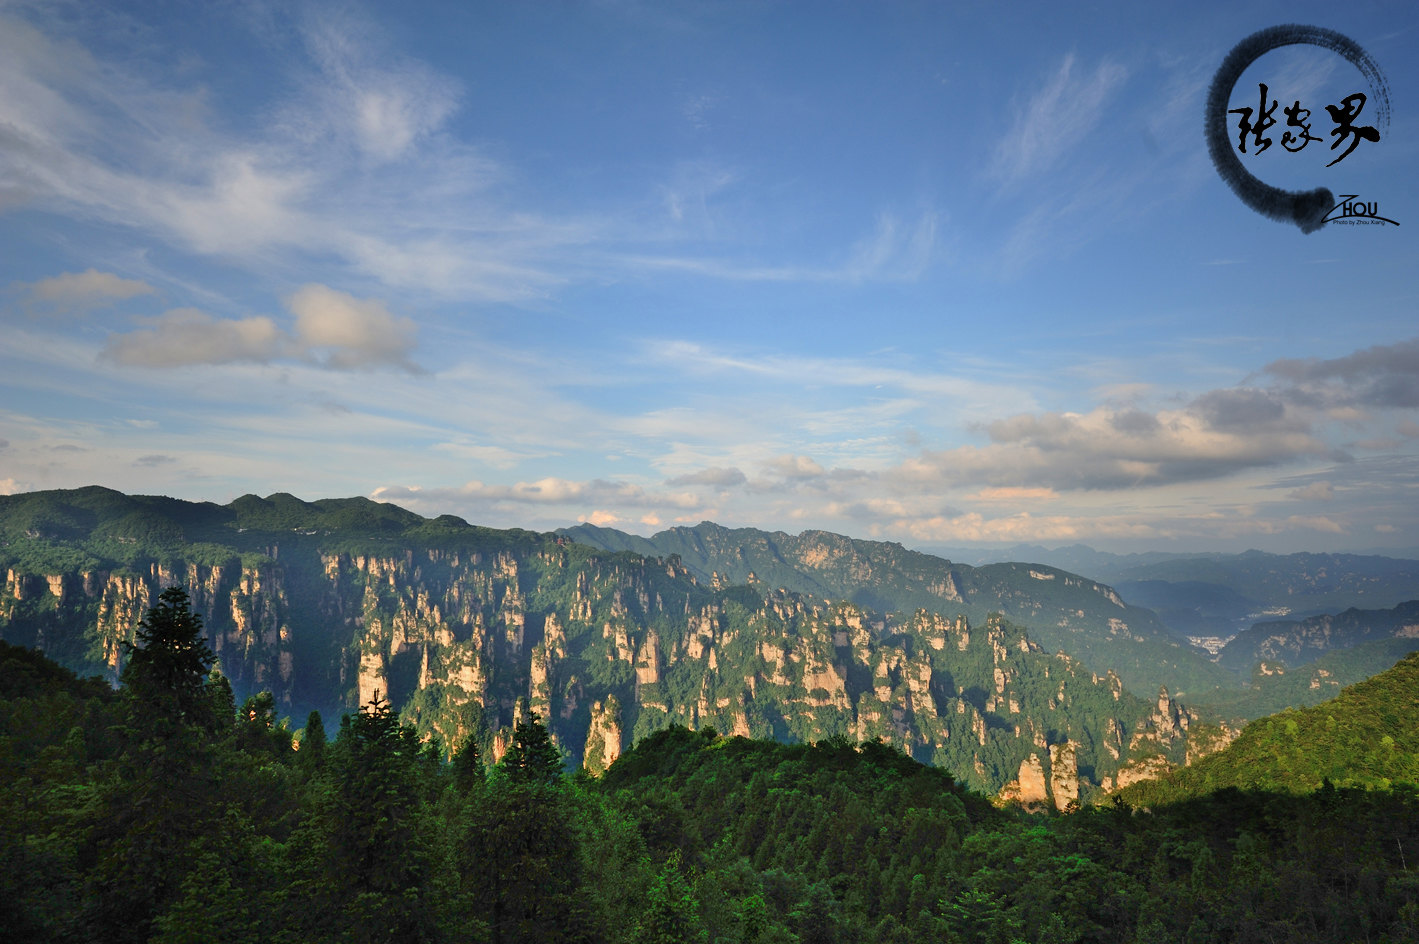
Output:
x=162 y=797
x=532 y=758
x=375 y=823
x=166 y=678
x=672 y=914
x=519 y=856
x=312 y=751
x=468 y=772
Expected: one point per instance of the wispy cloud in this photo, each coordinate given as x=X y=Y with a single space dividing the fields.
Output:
x=894 y=251
x=353 y=168
x=1056 y=118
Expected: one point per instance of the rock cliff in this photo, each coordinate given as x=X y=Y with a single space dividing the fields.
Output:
x=458 y=626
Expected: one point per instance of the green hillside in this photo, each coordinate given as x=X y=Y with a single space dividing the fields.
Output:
x=1364 y=737
x=124 y=821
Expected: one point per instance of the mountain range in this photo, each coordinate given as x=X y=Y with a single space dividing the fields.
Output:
x=1012 y=675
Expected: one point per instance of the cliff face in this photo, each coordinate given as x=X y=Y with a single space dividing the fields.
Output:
x=607 y=649
x=1064 y=611
x=84 y=618
x=1035 y=789
x=459 y=626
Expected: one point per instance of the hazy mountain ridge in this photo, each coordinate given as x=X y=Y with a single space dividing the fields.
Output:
x=325 y=603
x=1219 y=595
x=1064 y=611
x=1297 y=642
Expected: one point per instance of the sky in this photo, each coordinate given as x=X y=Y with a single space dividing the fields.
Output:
x=936 y=273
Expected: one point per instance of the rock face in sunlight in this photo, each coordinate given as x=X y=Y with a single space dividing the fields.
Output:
x=328 y=604
x=1065 y=612
x=603 y=740
x=1063 y=775
x=1035 y=788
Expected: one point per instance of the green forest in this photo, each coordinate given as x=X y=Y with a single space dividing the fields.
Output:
x=161 y=810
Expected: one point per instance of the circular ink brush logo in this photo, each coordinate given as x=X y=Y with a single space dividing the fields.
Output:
x=1308 y=209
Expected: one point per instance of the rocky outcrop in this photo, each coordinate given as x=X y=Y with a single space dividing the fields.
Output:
x=1036 y=788
x=1030 y=789
x=1143 y=768
x=607 y=648
x=1064 y=775
x=603 y=739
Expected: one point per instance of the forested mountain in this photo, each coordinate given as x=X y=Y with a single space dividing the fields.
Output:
x=327 y=603
x=162 y=813
x=1364 y=737
x=1063 y=611
x=1298 y=642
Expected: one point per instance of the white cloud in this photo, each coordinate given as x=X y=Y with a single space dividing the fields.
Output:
x=352 y=332
x=712 y=475
x=1316 y=491
x=73 y=292
x=545 y=491
x=332 y=328
x=1109 y=449
x=186 y=336
x=1316 y=523
x=1015 y=495
x=798 y=468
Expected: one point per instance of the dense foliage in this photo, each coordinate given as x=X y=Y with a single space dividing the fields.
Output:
x=164 y=812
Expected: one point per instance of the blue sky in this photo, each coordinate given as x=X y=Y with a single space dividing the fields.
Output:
x=935 y=273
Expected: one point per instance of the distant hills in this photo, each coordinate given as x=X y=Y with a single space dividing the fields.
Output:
x=1275 y=686
x=1219 y=595
x=1297 y=642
